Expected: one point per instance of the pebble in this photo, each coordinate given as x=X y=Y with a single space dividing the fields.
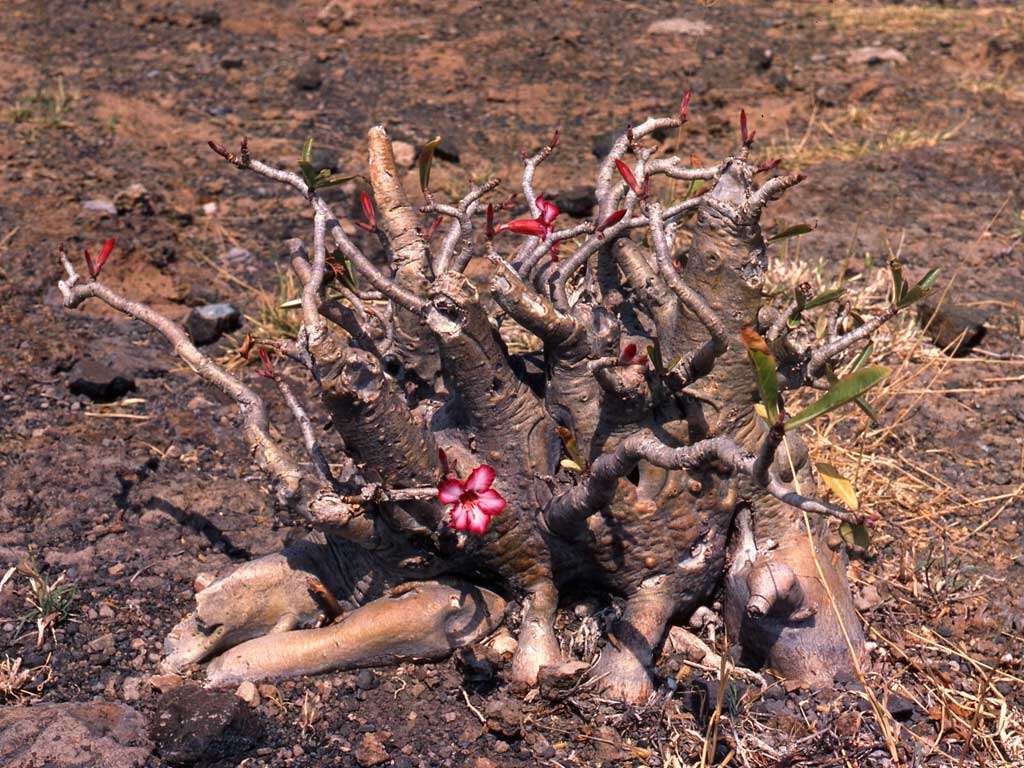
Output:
x=679 y=26
x=100 y=205
x=370 y=751
x=248 y=693
x=209 y=322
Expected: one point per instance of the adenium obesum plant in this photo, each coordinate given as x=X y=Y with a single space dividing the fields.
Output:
x=473 y=501
x=633 y=463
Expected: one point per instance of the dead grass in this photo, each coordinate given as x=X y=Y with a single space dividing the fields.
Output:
x=931 y=537
x=908 y=19
x=859 y=131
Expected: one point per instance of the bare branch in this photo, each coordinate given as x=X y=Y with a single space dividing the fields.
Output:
x=269 y=456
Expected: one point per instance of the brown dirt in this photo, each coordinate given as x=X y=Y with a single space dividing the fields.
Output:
x=97 y=96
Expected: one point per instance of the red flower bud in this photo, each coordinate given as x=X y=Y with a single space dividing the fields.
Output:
x=94 y=267
x=627 y=354
x=490 y=221
x=684 y=108
x=267 y=371
x=767 y=165
x=554 y=139
x=628 y=177
x=371 y=215
x=613 y=218
x=748 y=138
x=432 y=230
x=524 y=227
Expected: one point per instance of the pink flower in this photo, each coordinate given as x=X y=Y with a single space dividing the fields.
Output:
x=474 y=501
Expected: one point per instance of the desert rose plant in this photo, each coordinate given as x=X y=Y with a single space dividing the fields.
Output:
x=650 y=454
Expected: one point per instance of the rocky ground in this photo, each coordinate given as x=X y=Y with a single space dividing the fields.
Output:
x=123 y=478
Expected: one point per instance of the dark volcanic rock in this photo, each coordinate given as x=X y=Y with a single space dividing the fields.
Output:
x=100 y=382
x=945 y=324
x=79 y=734
x=195 y=725
x=206 y=324
x=309 y=77
x=577 y=202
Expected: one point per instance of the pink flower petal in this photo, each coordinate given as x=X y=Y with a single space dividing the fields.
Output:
x=478 y=521
x=450 y=490
x=480 y=479
x=460 y=517
x=490 y=502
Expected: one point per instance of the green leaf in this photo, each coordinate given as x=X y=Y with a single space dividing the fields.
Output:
x=695 y=188
x=855 y=535
x=899 y=285
x=862 y=357
x=825 y=297
x=765 y=371
x=426 y=160
x=840 y=393
x=919 y=291
x=821 y=327
x=794 y=231
x=307 y=151
x=571 y=465
x=840 y=486
x=329 y=179
x=290 y=304
x=569 y=441
x=654 y=355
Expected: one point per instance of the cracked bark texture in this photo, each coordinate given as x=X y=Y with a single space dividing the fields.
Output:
x=670 y=505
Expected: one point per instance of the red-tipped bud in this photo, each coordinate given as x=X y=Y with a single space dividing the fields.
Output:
x=267 y=371
x=553 y=251
x=220 y=149
x=746 y=136
x=628 y=177
x=555 y=138
x=613 y=218
x=524 y=227
x=94 y=267
x=365 y=227
x=548 y=211
x=490 y=221
x=684 y=108
x=767 y=165
x=443 y=458
x=628 y=354
x=371 y=215
x=432 y=230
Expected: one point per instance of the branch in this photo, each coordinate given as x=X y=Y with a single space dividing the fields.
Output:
x=690 y=298
x=526 y=306
x=271 y=458
x=820 y=356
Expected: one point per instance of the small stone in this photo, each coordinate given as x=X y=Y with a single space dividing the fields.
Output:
x=954 y=329
x=209 y=208
x=99 y=382
x=164 y=683
x=366 y=680
x=309 y=77
x=247 y=692
x=405 y=153
x=577 y=202
x=867 y=598
x=101 y=206
x=268 y=691
x=370 y=751
x=900 y=707
x=873 y=55
x=134 y=196
x=206 y=324
x=131 y=688
x=336 y=15
x=679 y=26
